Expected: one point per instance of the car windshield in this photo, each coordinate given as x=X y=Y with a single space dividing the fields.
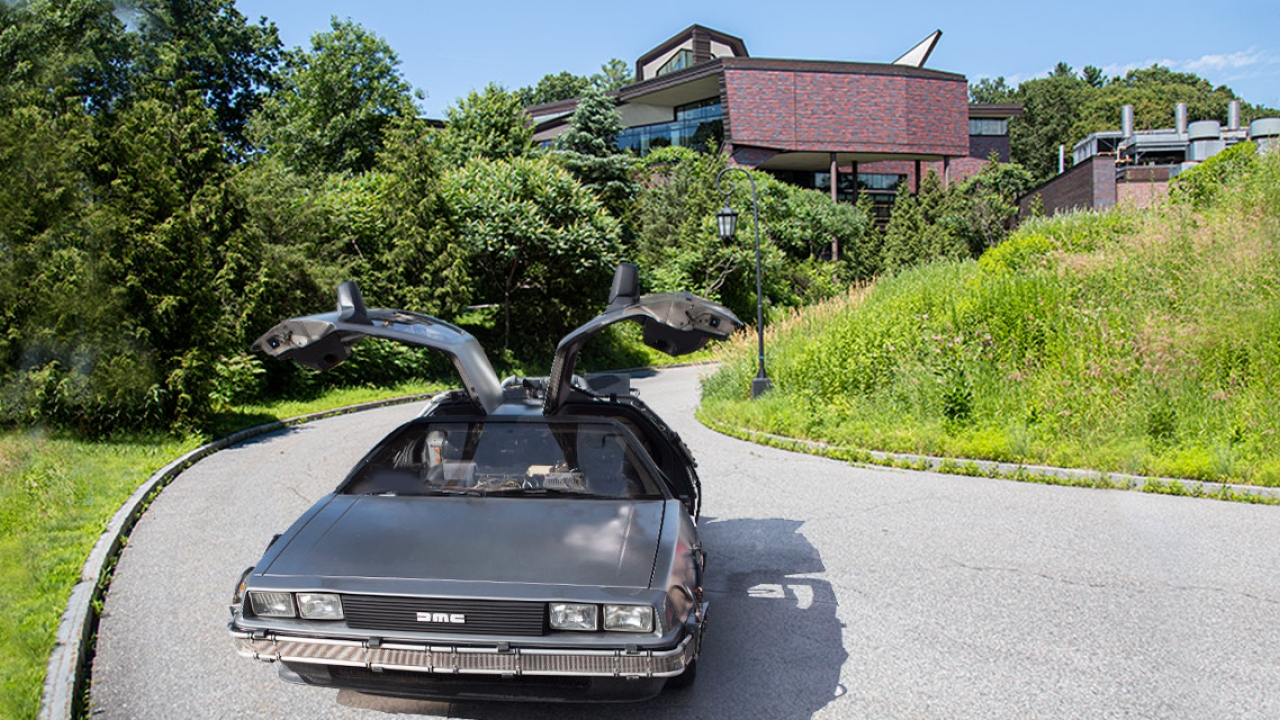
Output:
x=588 y=459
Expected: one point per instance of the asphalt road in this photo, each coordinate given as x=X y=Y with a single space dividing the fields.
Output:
x=836 y=592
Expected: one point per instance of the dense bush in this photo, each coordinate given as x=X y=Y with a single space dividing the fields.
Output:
x=1201 y=184
x=956 y=222
x=678 y=247
x=541 y=245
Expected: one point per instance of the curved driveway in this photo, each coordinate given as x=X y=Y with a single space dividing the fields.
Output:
x=836 y=592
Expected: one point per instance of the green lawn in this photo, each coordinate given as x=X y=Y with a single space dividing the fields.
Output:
x=57 y=496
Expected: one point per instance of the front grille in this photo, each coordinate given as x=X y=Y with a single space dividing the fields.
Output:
x=480 y=617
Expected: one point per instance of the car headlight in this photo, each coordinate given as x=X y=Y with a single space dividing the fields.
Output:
x=320 y=606
x=271 y=604
x=628 y=618
x=573 y=616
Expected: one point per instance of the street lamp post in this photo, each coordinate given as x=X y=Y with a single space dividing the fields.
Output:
x=727 y=222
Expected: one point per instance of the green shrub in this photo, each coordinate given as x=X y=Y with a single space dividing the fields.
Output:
x=1200 y=185
x=1024 y=251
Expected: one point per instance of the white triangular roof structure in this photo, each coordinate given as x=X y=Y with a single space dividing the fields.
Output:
x=919 y=55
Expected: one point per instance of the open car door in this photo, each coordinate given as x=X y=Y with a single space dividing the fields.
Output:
x=675 y=323
x=323 y=341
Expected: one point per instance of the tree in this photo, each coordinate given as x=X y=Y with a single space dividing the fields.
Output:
x=987 y=203
x=991 y=91
x=208 y=47
x=1153 y=92
x=675 y=242
x=489 y=124
x=921 y=228
x=542 y=245
x=590 y=153
x=120 y=314
x=679 y=248
x=56 y=53
x=564 y=85
x=422 y=268
x=553 y=88
x=335 y=102
x=613 y=75
x=1063 y=108
x=1050 y=108
x=1093 y=75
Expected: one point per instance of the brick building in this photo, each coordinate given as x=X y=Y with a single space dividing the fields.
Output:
x=873 y=127
x=1133 y=167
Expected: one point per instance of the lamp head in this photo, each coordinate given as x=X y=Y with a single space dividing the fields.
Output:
x=727 y=222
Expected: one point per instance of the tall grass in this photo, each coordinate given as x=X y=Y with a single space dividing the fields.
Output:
x=56 y=497
x=1134 y=341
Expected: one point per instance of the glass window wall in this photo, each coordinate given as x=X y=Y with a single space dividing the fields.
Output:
x=697 y=125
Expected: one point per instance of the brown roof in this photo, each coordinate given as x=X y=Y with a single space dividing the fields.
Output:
x=739 y=47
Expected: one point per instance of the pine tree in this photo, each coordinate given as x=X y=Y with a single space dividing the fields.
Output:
x=590 y=153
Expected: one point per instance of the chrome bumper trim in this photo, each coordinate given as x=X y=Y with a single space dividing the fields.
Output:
x=450 y=659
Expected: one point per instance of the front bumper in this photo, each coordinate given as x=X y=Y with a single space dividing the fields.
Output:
x=459 y=660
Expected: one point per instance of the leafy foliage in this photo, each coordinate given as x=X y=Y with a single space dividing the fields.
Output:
x=920 y=228
x=1201 y=184
x=553 y=88
x=1062 y=108
x=490 y=124
x=208 y=47
x=986 y=204
x=538 y=242
x=335 y=102
x=679 y=247
x=957 y=222
x=564 y=85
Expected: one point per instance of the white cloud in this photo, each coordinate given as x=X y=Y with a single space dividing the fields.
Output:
x=1250 y=58
x=1230 y=65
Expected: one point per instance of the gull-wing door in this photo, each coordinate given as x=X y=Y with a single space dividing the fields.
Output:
x=675 y=323
x=323 y=341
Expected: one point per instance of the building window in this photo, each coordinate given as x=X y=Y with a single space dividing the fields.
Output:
x=679 y=61
x=988 y=126
x=882 y=187
x=696 y=126
x=884 y=182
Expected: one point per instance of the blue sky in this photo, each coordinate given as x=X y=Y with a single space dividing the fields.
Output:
x=449 y=49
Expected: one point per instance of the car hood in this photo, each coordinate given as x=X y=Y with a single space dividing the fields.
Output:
x=584 y=542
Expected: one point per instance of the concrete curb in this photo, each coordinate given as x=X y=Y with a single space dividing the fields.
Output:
x=67 y=671
x=1003 y=470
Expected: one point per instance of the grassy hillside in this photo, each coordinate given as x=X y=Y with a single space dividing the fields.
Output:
x=1135 y=341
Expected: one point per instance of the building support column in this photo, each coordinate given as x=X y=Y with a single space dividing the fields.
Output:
x=835 y=197
x=835 y=169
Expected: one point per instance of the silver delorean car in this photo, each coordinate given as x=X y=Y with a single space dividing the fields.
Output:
x=531 y=539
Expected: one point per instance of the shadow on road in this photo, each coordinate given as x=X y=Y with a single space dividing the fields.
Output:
x=774 y=646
